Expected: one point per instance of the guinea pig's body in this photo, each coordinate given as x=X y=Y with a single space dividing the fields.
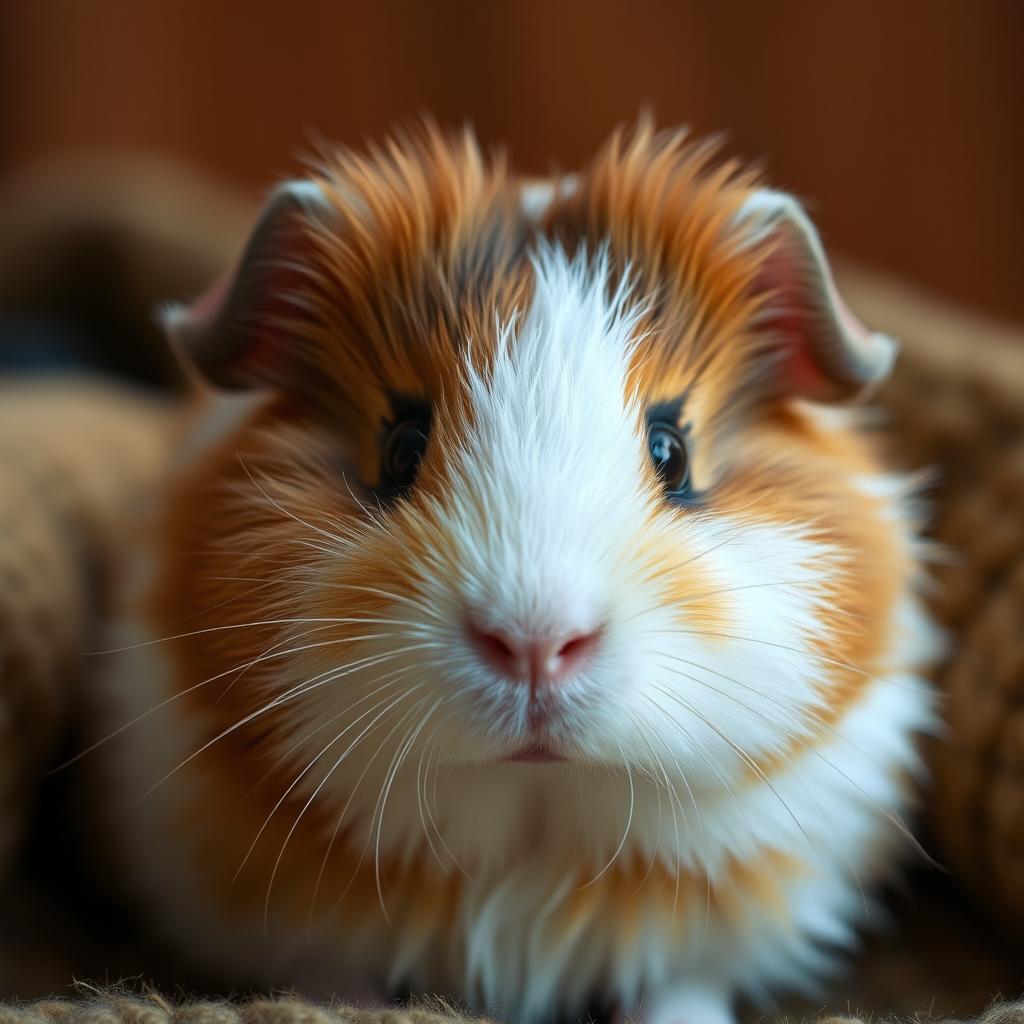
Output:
x=531 y=628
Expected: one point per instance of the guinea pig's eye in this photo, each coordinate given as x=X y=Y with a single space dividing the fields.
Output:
x=403 y=451
x=669 y=457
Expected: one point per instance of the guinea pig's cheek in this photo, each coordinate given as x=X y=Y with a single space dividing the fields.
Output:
x=731 y=645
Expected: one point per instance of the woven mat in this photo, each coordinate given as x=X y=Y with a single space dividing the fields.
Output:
x=155 y=1009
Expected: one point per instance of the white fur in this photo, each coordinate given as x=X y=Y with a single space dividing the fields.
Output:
x=545 y=511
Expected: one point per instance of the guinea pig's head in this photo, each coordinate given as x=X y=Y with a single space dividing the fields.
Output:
x=537 y=471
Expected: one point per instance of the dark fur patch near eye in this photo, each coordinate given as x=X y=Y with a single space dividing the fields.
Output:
x=669 y=411
x=406 y=407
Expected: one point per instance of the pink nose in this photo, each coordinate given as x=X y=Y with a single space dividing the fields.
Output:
x=537 y=659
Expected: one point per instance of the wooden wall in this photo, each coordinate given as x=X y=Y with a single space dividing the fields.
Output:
x=900 y=121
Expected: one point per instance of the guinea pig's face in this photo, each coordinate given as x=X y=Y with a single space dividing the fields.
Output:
x=544 y=473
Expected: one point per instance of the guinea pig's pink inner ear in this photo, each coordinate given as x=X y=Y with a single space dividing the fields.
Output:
x=241 y=333
x=815 y=347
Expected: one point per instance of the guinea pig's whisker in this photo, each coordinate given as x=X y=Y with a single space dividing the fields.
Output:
x=419 y=606
x=244 y=556
x=427 y=816
x=316 y=792
x=385 y=792
x=706 y=851
x=291 y=638
x=344 y=812
x=264 y=584
x=327 y=722
x=339 y=526
x=284 y=796
x=694 y=744
x=674 y=795
x=789 y=707
x=668 y=783
x=327 y=854
x=265 y=580
x=753 y=766
x=759 y=713
x=814 y=713
x=731 y=535
x=289 y=620
x=299 y=690
x=312 y=545
x=280 y=508
x=395 y=760
x=430 y=801
x=432 y=811
x=266 y=655
x=711 y=764
x=845 y=665
x=294 y=692
x=402 y=598
x=894 y=819
x=361 y=695
x=834 y=733
x=358 y=637
x=657 y=793
x=700 y=826
x=821 y=810
x=754 y=586
x=272 y=652
x=281 y=760
x=359 y=501
x=420 y=781
x=625 y=833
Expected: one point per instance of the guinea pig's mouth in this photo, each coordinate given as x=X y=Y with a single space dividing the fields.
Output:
x=534 y=753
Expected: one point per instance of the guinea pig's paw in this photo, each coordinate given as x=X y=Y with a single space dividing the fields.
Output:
x=688 y=1004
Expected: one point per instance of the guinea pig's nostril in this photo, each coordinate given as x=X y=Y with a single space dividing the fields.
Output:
x=495 y=646
x=571 y=654
x=499 y=650
x=577 y=646
x=540 y=659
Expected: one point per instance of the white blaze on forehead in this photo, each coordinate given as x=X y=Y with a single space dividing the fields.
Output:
x=569 y=357
x=551 y=474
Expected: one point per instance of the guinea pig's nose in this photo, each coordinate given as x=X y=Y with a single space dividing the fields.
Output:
x=541 y=658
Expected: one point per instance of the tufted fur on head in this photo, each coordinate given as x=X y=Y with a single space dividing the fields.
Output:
x=749 y=623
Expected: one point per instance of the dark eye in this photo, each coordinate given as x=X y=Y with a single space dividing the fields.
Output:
x=669 y=457
x=403 y=451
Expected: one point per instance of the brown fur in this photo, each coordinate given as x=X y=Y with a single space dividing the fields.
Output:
x=444 y=260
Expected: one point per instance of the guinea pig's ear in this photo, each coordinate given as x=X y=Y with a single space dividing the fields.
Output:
x=240 y=334
x=818 y=348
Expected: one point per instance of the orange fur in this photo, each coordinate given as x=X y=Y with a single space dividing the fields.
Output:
x=432 y=253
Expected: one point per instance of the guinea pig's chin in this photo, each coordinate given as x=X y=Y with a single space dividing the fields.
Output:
x=530 y=752
x=554 y=740
x=539 y=746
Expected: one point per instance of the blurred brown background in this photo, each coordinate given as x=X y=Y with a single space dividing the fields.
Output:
x=899 y=122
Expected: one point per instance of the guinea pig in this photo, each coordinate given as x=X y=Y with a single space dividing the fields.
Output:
x=527 y=616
